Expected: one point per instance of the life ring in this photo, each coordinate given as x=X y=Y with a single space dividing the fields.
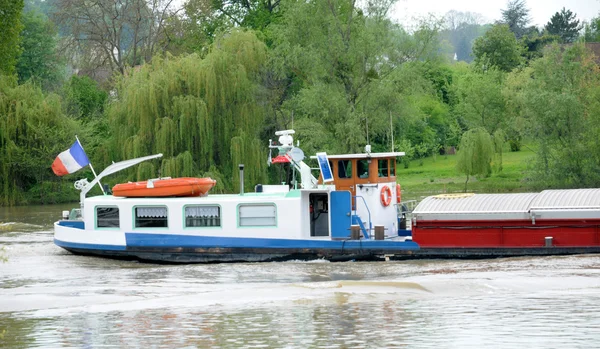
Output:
x=386 y=196
x=398 y=193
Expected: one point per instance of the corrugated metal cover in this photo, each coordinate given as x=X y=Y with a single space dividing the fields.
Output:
x=466 y=203
x=571 y=198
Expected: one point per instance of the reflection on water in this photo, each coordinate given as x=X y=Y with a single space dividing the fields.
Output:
x=51 y=299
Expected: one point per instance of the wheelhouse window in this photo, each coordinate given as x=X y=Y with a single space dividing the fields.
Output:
x=257 y=215
x=202 y=216
x=392 y=167
x=362 y=168
x=151 y=217
x=344 y=169
x=382 y=167
x=107 y=217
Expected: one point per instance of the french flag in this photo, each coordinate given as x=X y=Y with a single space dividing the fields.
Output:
x=70 y=160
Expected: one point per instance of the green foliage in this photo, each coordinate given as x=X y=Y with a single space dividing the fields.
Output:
x=33 y=131
x=10 y=27
x=198 y=112
x=565 y=25
x=535 y=43
x=83 y=97
x=498 y=48
x=480 y=102
x=563 y=105
x=474 y=156
x=591 y=32
x=39 y=60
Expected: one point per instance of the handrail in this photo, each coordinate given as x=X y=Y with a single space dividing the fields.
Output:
x=368 y=211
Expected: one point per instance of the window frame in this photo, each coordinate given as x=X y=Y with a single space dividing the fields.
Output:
x=237 y=211
x=134 y=213
x=387 y=168
x=184 y=220
x=349 y=162
x=96 y=217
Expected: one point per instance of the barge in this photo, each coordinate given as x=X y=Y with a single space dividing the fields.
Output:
x=348 y=213
x=552 y=222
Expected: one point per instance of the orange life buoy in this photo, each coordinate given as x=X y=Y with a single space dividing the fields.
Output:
x=386 y=196
x=398 y=193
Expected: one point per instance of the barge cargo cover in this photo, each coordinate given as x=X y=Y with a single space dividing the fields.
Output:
x=550 y=222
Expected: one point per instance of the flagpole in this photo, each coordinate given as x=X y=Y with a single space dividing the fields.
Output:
x=91 y=167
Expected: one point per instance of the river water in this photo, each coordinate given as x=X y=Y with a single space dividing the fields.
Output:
x=50 y=298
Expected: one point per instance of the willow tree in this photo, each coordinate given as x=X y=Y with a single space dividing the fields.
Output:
x=201 y=113
x=33 y=130
x=475 y=153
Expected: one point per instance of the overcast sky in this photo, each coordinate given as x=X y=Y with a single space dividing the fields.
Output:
x=540 y=10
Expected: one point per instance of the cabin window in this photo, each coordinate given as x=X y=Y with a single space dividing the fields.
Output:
x=107 y=217
x=362 y=167
x=382 y=169
x=392 y=168
x=345 y=169
x=202 y=216
x=151 y=217
x=257 y=215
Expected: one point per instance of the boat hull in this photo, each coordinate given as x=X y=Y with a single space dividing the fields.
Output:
x=179 y=248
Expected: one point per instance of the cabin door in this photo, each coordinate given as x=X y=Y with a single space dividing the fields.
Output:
x=340 y=213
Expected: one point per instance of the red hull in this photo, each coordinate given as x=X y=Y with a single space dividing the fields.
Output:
x=507 y=234
x=186 y=186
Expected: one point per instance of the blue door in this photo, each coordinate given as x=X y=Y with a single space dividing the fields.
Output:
x=340 y=214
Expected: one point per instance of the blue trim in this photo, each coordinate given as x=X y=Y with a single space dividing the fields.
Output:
x=188 y=241
x=65 y=244
x=72 y=224
x=404 y=232
x=356 y=220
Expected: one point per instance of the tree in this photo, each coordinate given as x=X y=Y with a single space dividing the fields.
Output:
x=480 y=100
x=114 y=34
x=591 y=31
x=499 y=48
x=10 y=27
x=83 y=97
x=342 y=66
x=475 y=153
x=39 y=60
x=562 y=106
x=516 y=16
x=565 y=25
x=203 y=114
x=461 y=29
x=33 y=130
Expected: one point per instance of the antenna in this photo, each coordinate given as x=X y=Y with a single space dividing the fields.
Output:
x=392 y=130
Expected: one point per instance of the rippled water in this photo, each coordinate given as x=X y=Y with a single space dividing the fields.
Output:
x=50 y=298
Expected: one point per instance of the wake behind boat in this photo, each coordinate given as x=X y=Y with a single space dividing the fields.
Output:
x=349 y=213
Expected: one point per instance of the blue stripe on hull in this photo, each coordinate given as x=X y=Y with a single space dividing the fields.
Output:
x=137 y=240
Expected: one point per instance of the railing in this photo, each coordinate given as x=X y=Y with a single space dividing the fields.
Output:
x=368 y=211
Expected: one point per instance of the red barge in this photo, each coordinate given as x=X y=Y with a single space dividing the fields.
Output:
x=552 y=222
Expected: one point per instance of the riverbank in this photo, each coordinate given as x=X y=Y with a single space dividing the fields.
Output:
x=436 y=175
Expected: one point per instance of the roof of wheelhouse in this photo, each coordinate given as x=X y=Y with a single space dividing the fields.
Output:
x=363 y=156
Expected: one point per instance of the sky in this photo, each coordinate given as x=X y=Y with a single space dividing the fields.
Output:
x=540 y=11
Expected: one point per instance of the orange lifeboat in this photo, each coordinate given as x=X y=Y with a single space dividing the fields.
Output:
x=185 y=186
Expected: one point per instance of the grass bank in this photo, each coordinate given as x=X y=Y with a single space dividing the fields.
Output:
x=438 y=175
